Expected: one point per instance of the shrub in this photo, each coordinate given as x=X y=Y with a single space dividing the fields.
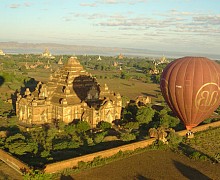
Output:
x=174 y=139
x=195 y=155
x=104 y=125
x=89 y=141
x=98 y=138
x=158 y=145
x=127 y=137
x=36 y=175
x=45 y=154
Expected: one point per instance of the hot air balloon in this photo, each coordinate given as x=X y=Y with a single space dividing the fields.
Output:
x=191 y=88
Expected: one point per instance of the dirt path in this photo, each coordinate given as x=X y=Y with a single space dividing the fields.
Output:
x=152 y=165
x=7 y=173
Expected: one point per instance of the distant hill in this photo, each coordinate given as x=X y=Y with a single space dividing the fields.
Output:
x=57 y=49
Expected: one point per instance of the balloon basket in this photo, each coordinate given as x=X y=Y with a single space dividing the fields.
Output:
x=190 y=134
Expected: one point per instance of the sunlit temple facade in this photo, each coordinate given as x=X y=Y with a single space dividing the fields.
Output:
x=70 y=94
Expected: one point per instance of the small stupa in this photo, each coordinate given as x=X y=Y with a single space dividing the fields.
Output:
x=1 y=53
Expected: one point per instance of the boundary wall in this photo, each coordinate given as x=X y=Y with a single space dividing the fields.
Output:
x=70 y=163
x=21 y=167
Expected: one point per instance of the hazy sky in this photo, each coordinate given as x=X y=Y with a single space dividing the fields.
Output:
x=166 y=25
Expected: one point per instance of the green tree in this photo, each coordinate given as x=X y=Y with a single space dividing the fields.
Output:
x=129 y=112
x=174 y=139
x=167 y=120
x=127 y=137
x=104 y=125
x=145 y=114
x=98 y=138
x=148 y=78
x=125 y=75
x=19 y=144
x=156 y=78
x=70 y=129
x=82 y=126
x=131 y=125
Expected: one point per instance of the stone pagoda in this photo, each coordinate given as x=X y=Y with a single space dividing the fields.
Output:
x=1 y=53
x=47 y=54
x=71 y=94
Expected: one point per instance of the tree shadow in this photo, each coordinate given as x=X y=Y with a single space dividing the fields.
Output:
x=147 y=94
x=125 y=84
x=189 y=172
x=188 y=151
x=64 y=177
x=158 y=90
x=2 y=80
x=140 y=177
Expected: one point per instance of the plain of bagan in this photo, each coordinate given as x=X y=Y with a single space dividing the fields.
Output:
x=153 y=165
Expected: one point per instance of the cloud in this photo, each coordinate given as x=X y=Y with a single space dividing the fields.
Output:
x=131 y=2
x=182 y=24
x=208 y=19
x=14 y=6
x=109 y=1
x=88 y=4
x=25 y=4
x=93 y=16
x=136 y=22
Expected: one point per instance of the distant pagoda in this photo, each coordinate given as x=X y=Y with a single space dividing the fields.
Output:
x=47 y=54
x=1 y=53
x=60 y=62
x=99 y=58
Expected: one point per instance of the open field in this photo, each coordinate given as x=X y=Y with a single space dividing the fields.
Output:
x=131 y=88
x=153 y=165
x=207 y=142
x=172 y=165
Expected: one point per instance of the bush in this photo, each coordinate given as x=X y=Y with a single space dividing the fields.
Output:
x=98 y=138
x=127 y=137
x=104 y=125
x=158 y=145
x=195 y=155
x=89 y=141
x=36 y=175
x=174 y=139
x=45 y=154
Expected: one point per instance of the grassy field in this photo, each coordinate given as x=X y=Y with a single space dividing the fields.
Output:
x=130 y=88
x=207 y=142
x=172 y=165
x=157 y=164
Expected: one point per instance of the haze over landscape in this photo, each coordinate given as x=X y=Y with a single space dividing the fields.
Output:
x=157 y=26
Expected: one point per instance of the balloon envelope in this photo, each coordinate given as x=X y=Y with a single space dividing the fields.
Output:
x=191 y=88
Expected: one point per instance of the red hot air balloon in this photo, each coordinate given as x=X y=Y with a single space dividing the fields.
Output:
x=191 y=88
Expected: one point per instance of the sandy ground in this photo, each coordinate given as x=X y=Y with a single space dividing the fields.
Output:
x=152 y=165
x=7 y=173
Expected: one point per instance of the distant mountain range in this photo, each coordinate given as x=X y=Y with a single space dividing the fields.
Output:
x=58 y=49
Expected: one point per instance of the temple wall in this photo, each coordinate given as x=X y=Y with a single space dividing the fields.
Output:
x=70 y=163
